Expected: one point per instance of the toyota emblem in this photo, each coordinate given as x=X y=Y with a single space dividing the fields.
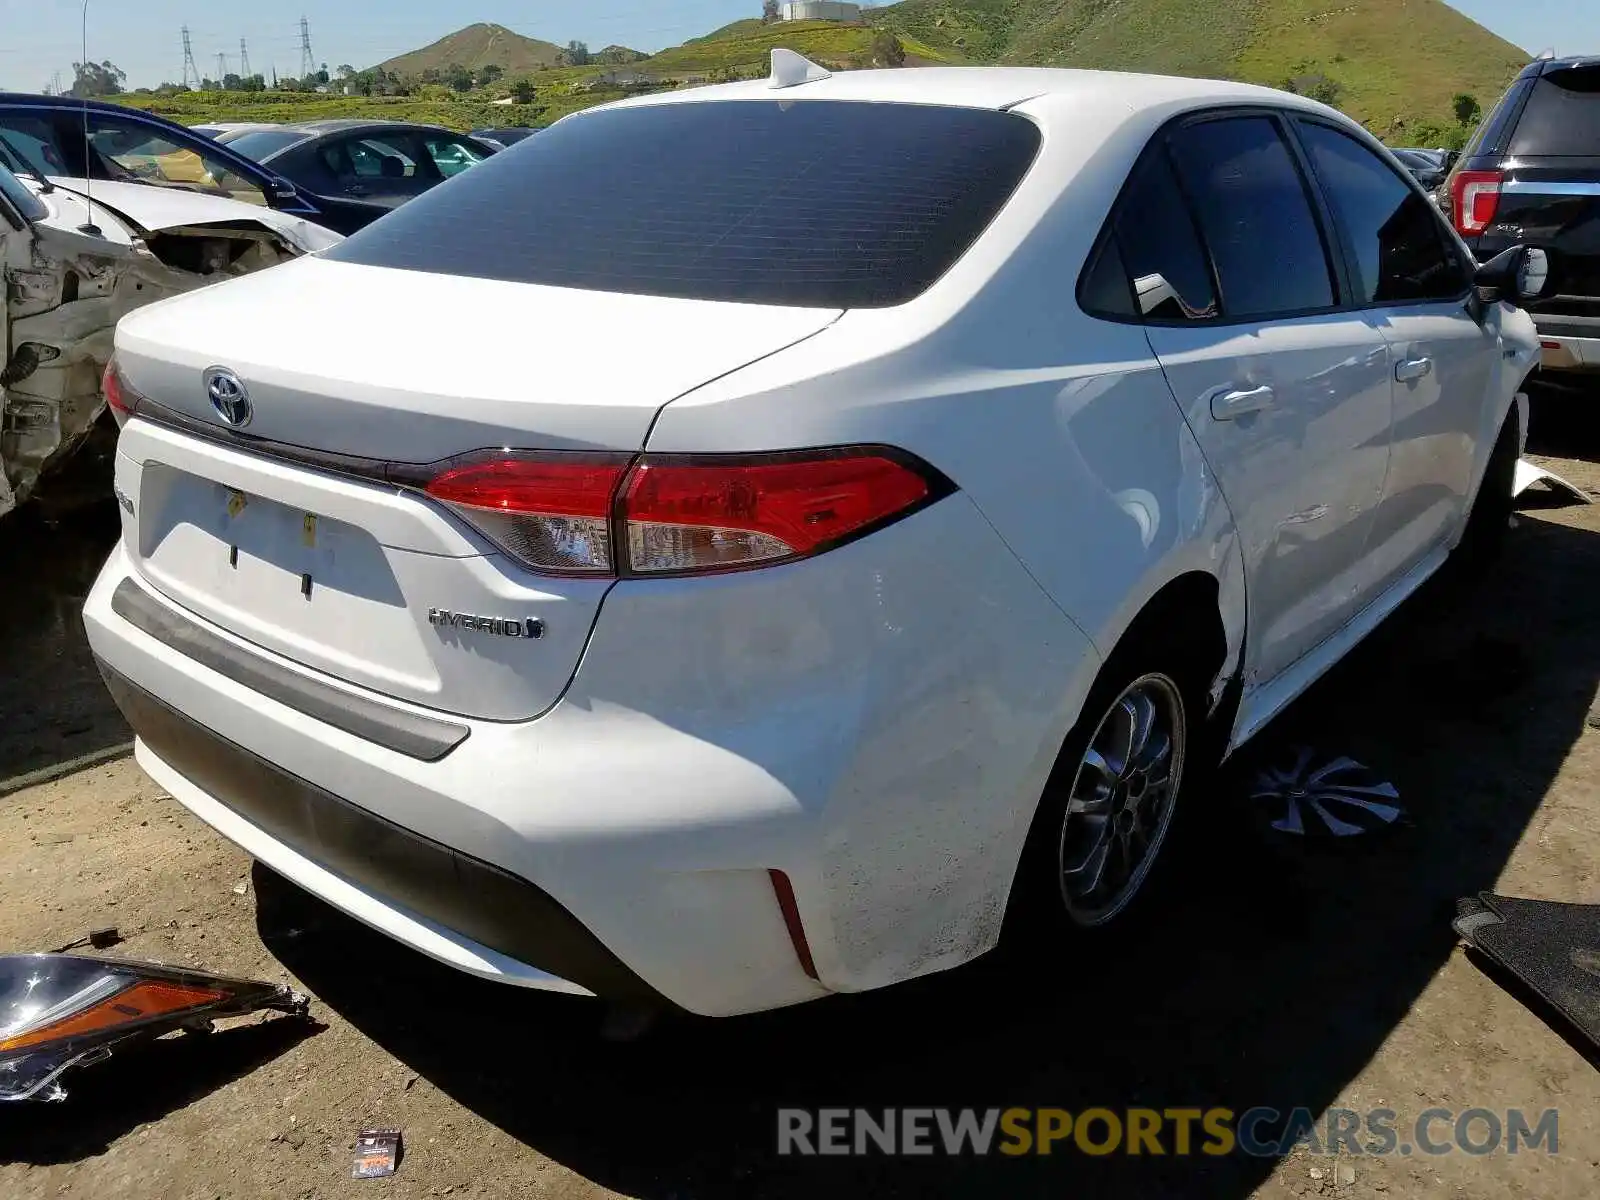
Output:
x=229 y=396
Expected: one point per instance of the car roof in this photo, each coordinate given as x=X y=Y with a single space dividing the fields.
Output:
x=984 y=87
x=41 y=101
x=346 y=124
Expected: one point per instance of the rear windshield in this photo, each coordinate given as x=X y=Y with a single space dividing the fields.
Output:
x=1563 y=115
x=258 y=143
x=810 y=203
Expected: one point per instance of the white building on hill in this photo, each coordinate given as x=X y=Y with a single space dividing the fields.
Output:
x=819 y=10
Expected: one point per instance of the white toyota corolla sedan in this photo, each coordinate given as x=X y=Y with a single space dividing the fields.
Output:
x=741 y=545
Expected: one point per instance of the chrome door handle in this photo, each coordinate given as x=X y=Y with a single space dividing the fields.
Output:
x=1412 y=369
x=1229 y=403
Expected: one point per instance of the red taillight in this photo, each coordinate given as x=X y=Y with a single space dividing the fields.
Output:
x=1474 y=200
x=681 y=514
x=551 y=512
x=694 y=515
x=122 y=400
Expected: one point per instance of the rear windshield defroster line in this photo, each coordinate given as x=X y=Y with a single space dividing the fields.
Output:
x=812 y=203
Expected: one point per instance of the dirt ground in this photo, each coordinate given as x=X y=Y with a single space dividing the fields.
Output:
x=1291 y=976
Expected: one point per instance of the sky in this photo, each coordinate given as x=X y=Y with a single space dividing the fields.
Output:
x=143 y=37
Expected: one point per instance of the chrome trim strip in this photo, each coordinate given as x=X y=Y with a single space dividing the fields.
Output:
x=1551 y=187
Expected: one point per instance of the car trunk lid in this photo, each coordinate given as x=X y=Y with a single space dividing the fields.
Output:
x=290 y=533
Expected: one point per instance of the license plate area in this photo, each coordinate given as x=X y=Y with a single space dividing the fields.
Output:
x=293 y=543
x=297 y=581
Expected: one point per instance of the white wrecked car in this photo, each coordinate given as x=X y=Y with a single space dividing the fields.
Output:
x=74 y=265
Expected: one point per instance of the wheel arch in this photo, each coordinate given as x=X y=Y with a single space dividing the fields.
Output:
x=1186 y=610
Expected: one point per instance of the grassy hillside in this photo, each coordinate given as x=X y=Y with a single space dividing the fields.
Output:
x=1396 y=64
x=479 y=46
x=737 y=29
x=748 y=45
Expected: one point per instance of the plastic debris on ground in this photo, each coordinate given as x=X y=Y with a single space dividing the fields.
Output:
x=1550 y=948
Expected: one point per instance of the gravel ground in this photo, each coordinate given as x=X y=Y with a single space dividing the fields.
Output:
x=1290 y=976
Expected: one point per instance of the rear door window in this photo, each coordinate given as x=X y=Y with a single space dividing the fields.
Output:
x=1159 y=249
x=1256 y=214
x=451 y=155
x=810 y=203
x=1562 y=119
x=382 y=158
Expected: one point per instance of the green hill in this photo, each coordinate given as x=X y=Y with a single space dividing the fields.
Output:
x=1395 y=64
x=746 y=47
x=479 y=46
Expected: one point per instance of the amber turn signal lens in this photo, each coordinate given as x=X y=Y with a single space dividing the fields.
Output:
x=138 y=1003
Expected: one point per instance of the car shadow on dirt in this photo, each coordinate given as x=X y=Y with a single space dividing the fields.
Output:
x=1273 y=982
x=54 y=708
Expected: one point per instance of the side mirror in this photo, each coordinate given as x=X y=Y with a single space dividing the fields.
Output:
x=1518 y=274
x=282 y=189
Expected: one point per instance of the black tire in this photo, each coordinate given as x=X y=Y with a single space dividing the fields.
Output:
x=1489 y=520
x=1041 y=910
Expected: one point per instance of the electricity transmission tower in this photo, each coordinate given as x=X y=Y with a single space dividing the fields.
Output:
x=244 y=60
x=308 y=62
x=191 y=71
x=222 y=66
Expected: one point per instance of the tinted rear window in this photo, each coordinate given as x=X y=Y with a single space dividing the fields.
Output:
x=811 y=203
x=1563 y=115
x=259 y=143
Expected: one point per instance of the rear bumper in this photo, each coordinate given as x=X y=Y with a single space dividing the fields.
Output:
x=1563 y=353
x=492 y=916
x=876 y=724
x=1568 y=343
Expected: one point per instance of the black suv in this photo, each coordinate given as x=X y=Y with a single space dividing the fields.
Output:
x=1531 y=174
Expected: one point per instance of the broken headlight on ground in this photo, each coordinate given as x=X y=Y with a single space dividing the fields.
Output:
x=59 y=1011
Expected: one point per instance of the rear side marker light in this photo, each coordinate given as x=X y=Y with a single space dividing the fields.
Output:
x=681 y=514
x=1474 y=200
x=1550 y=345
x=784 y=890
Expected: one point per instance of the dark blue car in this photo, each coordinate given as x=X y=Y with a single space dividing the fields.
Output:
x=46 y=135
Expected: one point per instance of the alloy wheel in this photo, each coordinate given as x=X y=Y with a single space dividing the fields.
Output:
x=1122 y=800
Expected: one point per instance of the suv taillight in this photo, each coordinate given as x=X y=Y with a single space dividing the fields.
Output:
x=1474 y=200
x=569 y=514
x=121 y=399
